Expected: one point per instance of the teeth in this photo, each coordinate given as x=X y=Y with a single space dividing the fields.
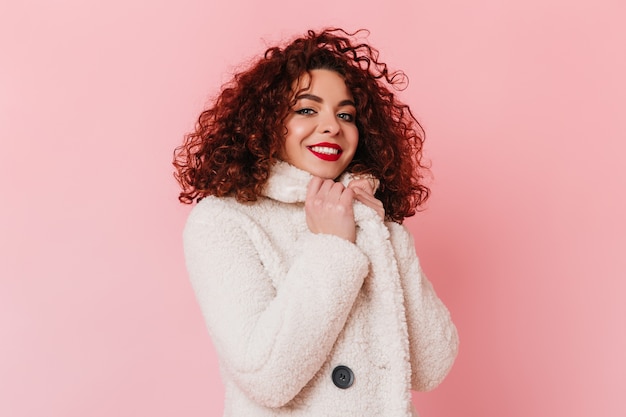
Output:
x=324 y=150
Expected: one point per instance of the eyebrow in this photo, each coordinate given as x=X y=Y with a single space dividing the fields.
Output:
x=318 y=99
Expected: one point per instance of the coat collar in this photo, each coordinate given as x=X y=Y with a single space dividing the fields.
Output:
x=288 y=184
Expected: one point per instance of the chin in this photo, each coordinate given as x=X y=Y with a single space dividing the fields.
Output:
x=327 y=174
x=322 y=170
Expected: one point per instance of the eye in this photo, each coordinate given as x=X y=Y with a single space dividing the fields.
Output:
x=348 y=117
x=305 y=111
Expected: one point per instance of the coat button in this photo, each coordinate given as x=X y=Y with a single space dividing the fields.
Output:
x=343 y=377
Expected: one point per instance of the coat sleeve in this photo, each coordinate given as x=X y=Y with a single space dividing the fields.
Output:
x=271 y=340
x=433 y=338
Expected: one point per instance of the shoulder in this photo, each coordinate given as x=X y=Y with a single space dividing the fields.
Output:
x=213 y=209
x=226 y=216
x=218 y=216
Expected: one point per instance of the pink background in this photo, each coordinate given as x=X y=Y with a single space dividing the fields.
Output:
x=524 y=238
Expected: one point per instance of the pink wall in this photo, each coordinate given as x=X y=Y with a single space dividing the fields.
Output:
x=523 y=102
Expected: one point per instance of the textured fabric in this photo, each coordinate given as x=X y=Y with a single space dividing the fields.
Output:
x=285 y=306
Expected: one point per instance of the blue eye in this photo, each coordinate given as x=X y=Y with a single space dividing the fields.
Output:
x=346 y=117
x=305 y=111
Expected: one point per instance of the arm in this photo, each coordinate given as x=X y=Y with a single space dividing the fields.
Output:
x=433 y=337
x=272 y=341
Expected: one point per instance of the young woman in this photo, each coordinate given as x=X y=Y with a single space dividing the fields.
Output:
x=303 y=169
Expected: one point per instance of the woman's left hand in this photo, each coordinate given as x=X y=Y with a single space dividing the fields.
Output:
x=364 y=192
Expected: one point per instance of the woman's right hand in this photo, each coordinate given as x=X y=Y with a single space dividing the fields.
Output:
x=328 y=208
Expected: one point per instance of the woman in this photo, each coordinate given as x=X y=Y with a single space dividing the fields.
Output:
x=303 y=169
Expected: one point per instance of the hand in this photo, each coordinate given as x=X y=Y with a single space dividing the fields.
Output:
x=328 y=209
x=364 y=189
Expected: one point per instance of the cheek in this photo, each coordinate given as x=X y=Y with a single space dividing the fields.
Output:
x=297 y=130
x=291 y=142
x=354 y=136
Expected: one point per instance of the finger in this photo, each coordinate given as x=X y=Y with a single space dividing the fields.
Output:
x=328 y=186
x=365 y=197
x=313 y=187
x=363 y=184
x=376 y=205
x=335 y=191
x=347 y=196
x=370 y=201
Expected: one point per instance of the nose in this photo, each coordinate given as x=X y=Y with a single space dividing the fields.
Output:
x=329 y=124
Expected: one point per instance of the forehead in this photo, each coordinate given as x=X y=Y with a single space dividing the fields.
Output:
x=322 y=82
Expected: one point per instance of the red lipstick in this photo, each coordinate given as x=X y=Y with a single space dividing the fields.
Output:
x=326 y=151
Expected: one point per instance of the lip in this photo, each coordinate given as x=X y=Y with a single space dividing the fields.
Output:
x=324 y=156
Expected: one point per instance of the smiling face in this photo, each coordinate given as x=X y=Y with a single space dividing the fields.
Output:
x=322 y=136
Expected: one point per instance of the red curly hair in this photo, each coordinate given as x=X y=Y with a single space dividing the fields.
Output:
x=239 y=137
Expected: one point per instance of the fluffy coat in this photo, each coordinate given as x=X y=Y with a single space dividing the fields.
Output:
x=285 y=306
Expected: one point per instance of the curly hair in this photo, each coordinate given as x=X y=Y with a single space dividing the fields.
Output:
x=238 y=139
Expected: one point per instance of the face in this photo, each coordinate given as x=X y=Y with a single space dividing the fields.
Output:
x=321 y=128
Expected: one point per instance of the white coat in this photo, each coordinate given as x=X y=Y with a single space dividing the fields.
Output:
x=285 y=307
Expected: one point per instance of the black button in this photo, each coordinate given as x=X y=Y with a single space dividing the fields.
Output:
x=343 y=377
